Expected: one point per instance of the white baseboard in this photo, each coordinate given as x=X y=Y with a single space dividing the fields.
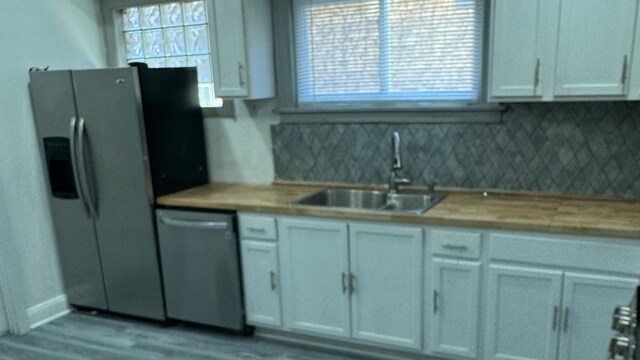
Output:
x=48 y=311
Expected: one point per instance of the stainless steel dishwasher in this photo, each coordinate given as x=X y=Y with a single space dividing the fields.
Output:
x=201 y=267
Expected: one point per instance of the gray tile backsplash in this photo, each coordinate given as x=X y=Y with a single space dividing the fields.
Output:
x=587 y=148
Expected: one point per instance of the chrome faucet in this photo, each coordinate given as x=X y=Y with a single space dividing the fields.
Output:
x=396 y=164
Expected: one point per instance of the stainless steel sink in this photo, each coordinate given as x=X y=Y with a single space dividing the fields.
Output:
x=369 y=200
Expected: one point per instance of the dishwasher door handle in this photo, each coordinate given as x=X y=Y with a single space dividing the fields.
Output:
x=193 y=224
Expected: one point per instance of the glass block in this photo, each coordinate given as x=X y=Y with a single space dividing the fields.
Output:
x=203 y=63
x=195 y=12
x=153 y=43
x=178 y=61
x=197 y=39
x=133 y=45
x=205 y=92
x=157 y=63
x=150 y=17
x=174 y=41
x=131 y=19
x=172 y=15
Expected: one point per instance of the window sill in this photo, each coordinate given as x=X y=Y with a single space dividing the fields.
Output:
x=482 y=113
x=227 y=110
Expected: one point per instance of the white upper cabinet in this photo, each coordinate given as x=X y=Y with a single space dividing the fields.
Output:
x=517 y=50
x=595 y=44
x=386 y=283
x=563 y=50
x=243 y=39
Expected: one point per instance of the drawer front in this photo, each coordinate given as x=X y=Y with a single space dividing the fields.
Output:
x=574 y=253
x=258 y=227
x=462 y=244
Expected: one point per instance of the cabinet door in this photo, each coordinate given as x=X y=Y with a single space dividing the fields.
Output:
x=523 y=318
x=455 y=300
x=386 y=282
x=230 y=65
x=261 y=282
x=315 y=267
x=517 y=48
x=594 y=47
x=587 y=306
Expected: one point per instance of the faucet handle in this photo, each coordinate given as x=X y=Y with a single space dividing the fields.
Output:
x=431 y=187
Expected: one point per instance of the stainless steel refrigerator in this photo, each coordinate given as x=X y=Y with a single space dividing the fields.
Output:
x=112 y=140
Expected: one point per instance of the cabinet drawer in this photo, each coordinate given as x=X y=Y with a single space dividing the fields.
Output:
x=258 y=227
x=575 y=253
x=462 y=244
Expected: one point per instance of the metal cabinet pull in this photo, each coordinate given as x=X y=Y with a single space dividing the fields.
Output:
x=455 y=247
x=273 y=281
x=204 y=225
x=536 y=77
x=623 y=80
x=241 y=75
x=257 y=229
x=565 y=327
x=435 y=301
x=344 y=283
x=555 y=318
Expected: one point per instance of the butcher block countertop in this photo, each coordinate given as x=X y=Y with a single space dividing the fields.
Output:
x=494 y=210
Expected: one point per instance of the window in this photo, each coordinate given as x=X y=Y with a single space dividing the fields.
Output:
x=350 y=51
x=171 y=34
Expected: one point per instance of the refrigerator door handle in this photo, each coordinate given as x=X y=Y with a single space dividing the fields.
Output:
x=204 y=225
x=73 y=130
x=83 y=169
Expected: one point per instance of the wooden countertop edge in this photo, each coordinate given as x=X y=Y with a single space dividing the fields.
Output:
x=547 y=226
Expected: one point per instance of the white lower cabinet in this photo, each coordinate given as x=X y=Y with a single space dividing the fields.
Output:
x=453 y=325
x=366 y=283
x=523 y=307
x=587 y=306
x=315 y=273
x=261 y=282
x=532 y=315
x=386 y=277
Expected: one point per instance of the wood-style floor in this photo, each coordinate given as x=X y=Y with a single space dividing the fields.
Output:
x=83 y=336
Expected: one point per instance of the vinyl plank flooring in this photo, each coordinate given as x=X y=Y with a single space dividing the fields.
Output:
x=82 y=336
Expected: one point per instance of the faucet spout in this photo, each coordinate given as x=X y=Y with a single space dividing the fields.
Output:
x=396 y=164
x=396 y=161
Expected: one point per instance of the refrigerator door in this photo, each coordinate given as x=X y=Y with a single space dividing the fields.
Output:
x=114 y=159
x=53 y=103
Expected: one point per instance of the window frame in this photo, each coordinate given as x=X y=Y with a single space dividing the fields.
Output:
x=113 y=26
x=479 y=111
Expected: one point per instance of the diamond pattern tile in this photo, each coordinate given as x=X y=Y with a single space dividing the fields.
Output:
x=590 y=148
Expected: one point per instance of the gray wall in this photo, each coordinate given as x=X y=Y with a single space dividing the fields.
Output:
x=588 y=148
x=61 y=34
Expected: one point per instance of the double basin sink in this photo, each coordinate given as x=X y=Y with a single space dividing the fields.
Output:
x=370 y=200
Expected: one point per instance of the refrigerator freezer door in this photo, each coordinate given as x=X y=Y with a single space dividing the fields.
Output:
x=53 y=103
x=116 y=164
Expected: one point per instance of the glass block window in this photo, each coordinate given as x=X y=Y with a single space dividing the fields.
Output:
x=174 y=34
x=388 y=50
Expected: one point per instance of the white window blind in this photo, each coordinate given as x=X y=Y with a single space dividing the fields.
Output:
x=377 y=50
